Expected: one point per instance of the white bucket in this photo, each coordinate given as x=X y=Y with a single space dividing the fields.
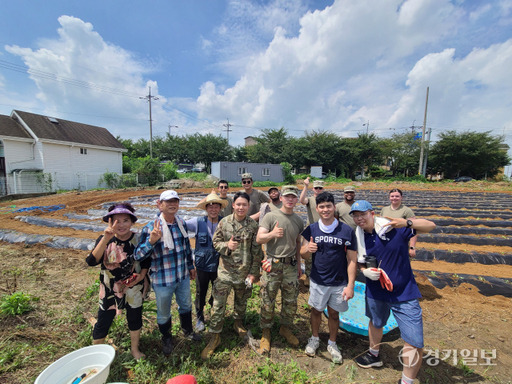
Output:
x=82 y=361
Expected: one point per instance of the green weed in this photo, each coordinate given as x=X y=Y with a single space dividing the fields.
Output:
x=16 y=304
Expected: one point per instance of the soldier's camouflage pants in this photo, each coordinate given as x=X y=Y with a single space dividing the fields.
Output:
x=284 y=277
x=221 y=289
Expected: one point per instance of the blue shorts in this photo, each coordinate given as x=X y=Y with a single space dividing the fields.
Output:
x=408 y=316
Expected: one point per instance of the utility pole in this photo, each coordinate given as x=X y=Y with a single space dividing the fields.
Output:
x=172 y=126
x=228 y=129
x=367 y=126
x=149 y=97
x=426 y=152
x=420 y=169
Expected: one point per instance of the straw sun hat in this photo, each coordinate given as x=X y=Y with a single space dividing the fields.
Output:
x=213 y=198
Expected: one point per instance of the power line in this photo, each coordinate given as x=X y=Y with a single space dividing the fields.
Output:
x=61 y=79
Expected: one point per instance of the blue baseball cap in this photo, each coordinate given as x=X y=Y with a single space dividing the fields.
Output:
x=361 y=206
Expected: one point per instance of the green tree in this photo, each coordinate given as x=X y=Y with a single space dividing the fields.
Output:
x=402 y=153
x=271 y=147
x=208 y=148
x=475 y=154
x=365 y=152
x=147 y=169
x=324 y=148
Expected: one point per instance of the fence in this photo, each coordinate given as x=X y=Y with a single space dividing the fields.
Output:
x=39 y=182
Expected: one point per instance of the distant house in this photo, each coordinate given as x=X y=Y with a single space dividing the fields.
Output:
x=42 y=154
x=250 y=140
x=232 y=171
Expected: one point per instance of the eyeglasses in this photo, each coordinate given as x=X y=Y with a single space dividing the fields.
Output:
x=246 y=181
x=318 y=188
x=223 y=187
x=359 y=215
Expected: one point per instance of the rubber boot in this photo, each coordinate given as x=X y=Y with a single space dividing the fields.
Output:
x=186 y=326
x=265 y=342
x=210 y=348
x=167 y=346
x=289 y=336
x=239 y=328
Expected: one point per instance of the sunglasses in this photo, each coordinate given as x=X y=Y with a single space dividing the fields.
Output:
x=318 y=188
x=223 y=187
x=246 y=181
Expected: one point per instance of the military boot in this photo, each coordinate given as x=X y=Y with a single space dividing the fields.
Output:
x=210 y=348
x=265 y=342
x=289 y=336
x=239 y=328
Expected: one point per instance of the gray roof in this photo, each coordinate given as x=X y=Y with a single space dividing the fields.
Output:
x=10 y=127
x=67 y=131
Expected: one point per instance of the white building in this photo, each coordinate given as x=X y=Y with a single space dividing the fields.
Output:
x=43 y=154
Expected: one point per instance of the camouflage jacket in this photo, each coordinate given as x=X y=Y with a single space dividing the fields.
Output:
x=246 y=259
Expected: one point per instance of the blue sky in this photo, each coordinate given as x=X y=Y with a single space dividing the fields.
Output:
x=326 y=65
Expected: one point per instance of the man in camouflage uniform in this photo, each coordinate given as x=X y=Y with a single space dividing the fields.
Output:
x=239 y=267
x=280 y=230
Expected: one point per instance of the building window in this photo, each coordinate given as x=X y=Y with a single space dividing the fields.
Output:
x=241 y=170
x=265 y=172
x=83 y=151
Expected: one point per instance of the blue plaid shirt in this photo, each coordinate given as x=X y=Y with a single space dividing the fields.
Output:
x=166 y=268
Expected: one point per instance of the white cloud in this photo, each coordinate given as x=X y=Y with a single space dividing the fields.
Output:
x=109 y=78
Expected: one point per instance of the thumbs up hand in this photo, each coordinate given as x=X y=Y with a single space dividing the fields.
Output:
x=312 y=246
x=277 y=231
x=232 y=243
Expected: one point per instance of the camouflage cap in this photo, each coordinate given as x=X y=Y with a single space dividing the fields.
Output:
x=318 y=183
x=247 y=175
x=289 y=190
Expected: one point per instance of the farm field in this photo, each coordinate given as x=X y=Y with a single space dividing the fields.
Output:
x=463 y=268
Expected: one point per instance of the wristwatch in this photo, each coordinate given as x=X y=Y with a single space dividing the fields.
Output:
x=412 y=248
x=409 y=223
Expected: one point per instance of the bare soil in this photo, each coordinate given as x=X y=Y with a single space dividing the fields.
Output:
x=459 y=320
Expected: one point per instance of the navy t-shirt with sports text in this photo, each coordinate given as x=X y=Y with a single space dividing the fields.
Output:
x=329 y=265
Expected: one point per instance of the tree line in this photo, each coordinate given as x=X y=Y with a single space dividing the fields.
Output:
x=475 y=154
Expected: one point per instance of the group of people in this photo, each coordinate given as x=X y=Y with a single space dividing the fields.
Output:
x=252 y=237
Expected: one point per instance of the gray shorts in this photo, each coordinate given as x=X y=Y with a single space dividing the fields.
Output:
x=321 y=296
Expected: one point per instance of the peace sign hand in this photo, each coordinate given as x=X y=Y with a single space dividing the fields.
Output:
x=156 y=233
x=110 y=231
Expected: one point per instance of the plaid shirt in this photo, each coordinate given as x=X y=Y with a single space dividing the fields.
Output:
x=166 y=268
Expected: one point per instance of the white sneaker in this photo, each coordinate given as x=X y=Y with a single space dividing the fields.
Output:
x=200 y=326
x=335 y=353
x=312 y=346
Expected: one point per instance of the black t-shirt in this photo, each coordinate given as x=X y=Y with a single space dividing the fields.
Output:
x=118 y=257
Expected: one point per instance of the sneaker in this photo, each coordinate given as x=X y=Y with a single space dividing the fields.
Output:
x=312 y=346
x=368 y=360
x=200 y=326
x=335 y=353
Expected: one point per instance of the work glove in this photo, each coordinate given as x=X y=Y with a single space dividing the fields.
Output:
x=372 y=273
x=266 y=265
x=385 y=281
